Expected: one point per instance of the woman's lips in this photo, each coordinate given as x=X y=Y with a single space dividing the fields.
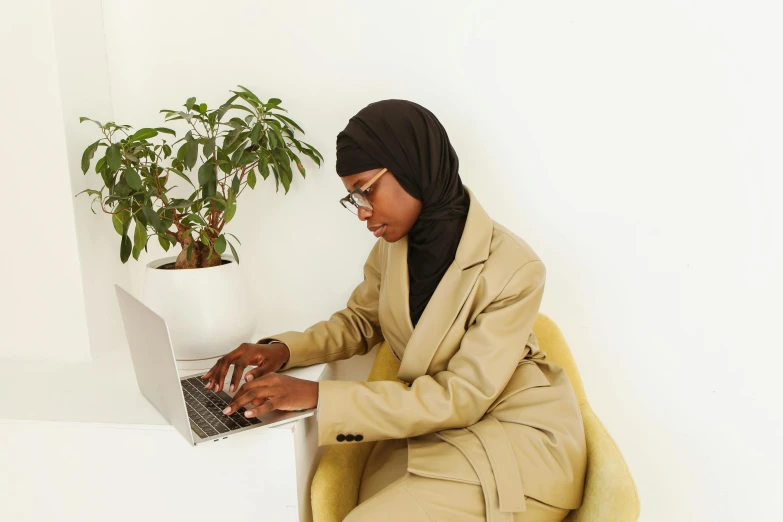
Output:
x=378 y=232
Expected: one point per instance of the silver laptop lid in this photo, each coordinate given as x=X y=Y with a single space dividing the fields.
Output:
x=153 y=361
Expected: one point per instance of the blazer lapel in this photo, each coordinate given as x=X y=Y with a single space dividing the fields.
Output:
x=449 y=296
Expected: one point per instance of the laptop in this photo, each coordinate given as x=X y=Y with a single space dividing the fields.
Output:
x=195 y=412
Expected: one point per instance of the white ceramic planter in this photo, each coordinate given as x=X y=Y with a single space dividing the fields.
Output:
x=207 y=310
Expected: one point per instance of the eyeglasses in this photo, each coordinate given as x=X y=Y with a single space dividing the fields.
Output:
x=358 y=198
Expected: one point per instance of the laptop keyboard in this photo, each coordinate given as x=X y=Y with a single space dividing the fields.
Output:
x=205 y=410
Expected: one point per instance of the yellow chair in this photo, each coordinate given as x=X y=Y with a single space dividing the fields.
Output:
x=610 y=493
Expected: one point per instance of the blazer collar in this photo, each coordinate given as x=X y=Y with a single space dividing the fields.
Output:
x=476 y=237
x=448 y=298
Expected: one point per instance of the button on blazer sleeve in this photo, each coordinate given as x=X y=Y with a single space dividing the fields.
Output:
x=351 y=331
x=458 y=396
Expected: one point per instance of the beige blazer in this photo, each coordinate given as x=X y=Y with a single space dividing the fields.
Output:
x=477 y=402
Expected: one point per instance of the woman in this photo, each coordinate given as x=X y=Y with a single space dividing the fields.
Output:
x=481 y=426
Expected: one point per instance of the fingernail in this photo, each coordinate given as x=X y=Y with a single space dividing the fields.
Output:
x=248 y=377
x=228 y=409
x=247 y=413
x=231 y=388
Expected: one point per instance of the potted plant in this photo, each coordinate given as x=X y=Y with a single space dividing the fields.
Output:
x=198 y=291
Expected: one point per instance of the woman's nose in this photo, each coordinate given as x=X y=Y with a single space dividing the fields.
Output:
x=364 y=214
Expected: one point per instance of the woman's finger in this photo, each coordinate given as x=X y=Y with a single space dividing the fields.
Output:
x=246 y=394
x=266 y=407
x=255 y=373
x=239 y=367
x=220 y=376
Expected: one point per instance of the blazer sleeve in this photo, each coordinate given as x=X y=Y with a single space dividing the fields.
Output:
x=458 y=396
x=351 y=331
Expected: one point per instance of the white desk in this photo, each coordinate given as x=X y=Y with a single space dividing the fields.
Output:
x=79 y=442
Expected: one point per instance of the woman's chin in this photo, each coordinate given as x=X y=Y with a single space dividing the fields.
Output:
x=390 y=236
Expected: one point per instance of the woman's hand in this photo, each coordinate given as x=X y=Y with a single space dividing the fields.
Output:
x=274 y=391
x=268 y=357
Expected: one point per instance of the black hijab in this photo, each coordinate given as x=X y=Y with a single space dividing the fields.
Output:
x=409 y=140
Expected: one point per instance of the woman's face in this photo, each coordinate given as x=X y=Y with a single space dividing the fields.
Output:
x=394 y=210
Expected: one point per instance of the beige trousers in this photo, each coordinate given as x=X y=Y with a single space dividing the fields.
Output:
x=390 y=493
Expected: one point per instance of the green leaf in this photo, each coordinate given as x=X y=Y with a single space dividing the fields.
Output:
x=220 y=244
x=89 y=152
x=194 y=218
x=249 y=92
x=233 y=251
x=189 y=103
x=231 y=209
x=296 y=161
x=178 y=203
x=125 y=248
x=285 y=179
x=235 y=184
x=224 y=162
x=142 y=134
x=279 y=137
x=164 y=243
x=209 y=189
x=139 y=239
x=183 y=151
x=189 y=251
x=236 y=157
x=273 y=102
x=114 y=157
x=272 y=138
x=252 y=99
x=116 y=220
x=263 y=165
x=132 y=178
x=275 y=123
x=90 y=192
x=182 y=175
x=202 y=108
x=121 y=189
x=230 y=138
x=251 y=179
x=237 y=123
x=100 y=164
x=206 y=173
x=108 y=179
x=82 y=119
x=153 y=219
x=283 y=164
x=313 y=149
x=255 y=133
x=287 y=120
x=312 y=156
x=209 y=147
x=166 y=130
x=191 y=155
x=246 y=159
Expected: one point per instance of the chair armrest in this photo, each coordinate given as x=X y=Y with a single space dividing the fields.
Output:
x=610 y=492
x=335 y=488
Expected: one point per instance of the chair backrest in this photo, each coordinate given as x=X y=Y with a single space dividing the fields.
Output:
x=610 y=492
x=385 y=366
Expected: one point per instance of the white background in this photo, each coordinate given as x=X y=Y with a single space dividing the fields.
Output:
x=635 y=147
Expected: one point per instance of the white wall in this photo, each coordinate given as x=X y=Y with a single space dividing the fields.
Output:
x=42 y=314
x=85 y=91
x=635 y=147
